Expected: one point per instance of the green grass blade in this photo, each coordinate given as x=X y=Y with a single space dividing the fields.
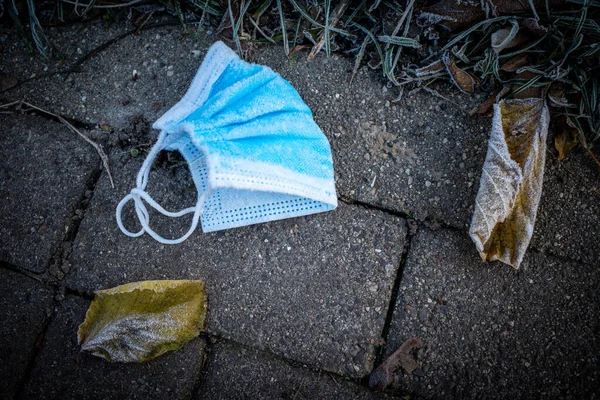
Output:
x=286 y=45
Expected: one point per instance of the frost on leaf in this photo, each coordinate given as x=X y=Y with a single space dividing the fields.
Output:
x=511 y=181
x=139 y=321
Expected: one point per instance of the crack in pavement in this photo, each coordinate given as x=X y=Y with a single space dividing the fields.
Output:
x=59 y=264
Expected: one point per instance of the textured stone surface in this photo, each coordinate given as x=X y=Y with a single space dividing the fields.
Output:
x=61 y=372
x=491 y=332
x=568 y=222
x=419 y=156
x=313 y=289
x=236 y=372
x=44 y=169
x=25 y=306
x=105 y=90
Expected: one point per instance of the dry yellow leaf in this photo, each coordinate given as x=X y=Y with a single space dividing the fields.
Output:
x=139 y=321
x=565 y=141
x=511 y=181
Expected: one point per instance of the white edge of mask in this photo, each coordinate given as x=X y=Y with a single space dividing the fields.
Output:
x=216 y=60
x=279 y=179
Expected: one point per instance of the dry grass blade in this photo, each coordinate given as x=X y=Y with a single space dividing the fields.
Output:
x=408 y=11
x=329 y=23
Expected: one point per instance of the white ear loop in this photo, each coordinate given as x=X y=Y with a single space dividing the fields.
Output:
x=138 y=195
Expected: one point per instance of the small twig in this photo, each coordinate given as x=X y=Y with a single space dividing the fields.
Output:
x=99 y=150
x=260 y=30
x=144 y=23
x=436 y=93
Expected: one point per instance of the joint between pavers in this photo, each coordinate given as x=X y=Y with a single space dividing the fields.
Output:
x=410 y=233
x=394 y=213
x=37 y=348
x=212 y=339
x=59 y=264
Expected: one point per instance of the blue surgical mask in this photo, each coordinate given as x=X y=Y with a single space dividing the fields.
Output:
x=252 y=146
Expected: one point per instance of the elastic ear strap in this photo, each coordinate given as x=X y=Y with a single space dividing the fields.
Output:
x=138 y=195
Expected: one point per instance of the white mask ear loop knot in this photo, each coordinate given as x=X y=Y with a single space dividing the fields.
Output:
x=138 y=195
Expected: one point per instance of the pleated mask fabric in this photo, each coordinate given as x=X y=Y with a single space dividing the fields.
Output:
x=254 y=151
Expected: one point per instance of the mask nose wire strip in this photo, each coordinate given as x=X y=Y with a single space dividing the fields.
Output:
x=138 y=195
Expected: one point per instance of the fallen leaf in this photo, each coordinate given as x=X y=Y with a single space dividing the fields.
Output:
x=511 y=181
x=455 y=15
x=506 y=38
x=139 y=321
x=515 y=63
x=485 y=106
x=384 y=374
x=567 y=139
x=532 y=91
x=557 y=95
x=462 y=80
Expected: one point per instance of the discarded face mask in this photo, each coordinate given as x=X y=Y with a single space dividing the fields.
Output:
x=252 y=146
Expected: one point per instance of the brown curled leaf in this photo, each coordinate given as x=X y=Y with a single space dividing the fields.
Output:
x=463 y=80
x=557 y=95
x=567 y=139
x=139 y=321
x=507 y=38
x=485 y=106
x=515 y=63
x=511 y=182
x=384 y=374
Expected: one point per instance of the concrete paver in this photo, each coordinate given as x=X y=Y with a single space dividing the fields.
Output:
x=44 y=171
x=312 y=289
x=25 y=307
x=491 y=332
x=236 y=372
x=60 y=371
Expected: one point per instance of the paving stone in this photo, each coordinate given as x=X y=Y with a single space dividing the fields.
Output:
x=236 y=372
x=43 y=175
x=492 y=332
x=106 y=91
x=313 y=289
x=420 y=156
x=25 y=307
x=568 y=222
x=423 y=156
x=61 y=372
x=72 y=41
